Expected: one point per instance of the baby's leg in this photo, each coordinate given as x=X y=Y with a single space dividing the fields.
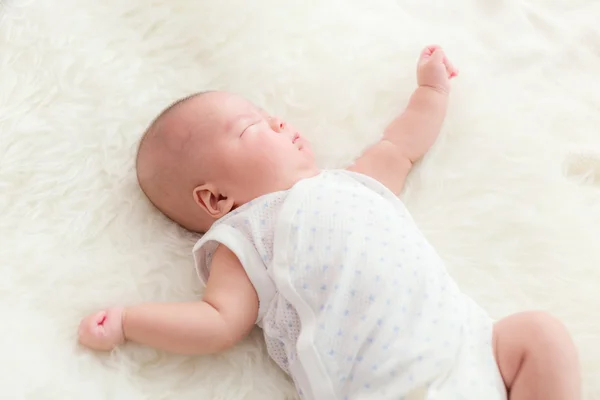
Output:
x=537 y=358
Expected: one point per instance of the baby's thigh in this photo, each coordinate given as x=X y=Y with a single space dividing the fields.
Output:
x=523 y=334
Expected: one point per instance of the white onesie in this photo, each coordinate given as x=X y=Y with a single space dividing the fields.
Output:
x=354 y=302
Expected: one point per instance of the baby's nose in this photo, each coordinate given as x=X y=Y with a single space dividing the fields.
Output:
x=278 y=125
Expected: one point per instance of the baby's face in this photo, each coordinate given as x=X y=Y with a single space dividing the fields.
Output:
x=251 y=153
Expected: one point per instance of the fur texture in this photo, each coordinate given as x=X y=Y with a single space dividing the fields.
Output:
x=510 y=194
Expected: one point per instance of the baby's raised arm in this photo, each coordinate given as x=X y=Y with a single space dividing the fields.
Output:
x=225 y=315
x=410 y=135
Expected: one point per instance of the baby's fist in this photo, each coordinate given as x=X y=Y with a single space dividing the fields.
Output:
x=434 y=69
x=102 y=330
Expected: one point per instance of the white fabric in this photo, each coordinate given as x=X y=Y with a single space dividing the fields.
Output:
x=509 y=196
x=369 y=309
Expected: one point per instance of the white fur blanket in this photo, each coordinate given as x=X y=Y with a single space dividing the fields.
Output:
x=510 y=195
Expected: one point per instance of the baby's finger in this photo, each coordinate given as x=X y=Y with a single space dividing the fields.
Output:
x=427 y=52
x=452 y=71
x=438 y=56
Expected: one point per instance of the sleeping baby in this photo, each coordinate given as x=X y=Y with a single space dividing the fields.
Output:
x=353 y=301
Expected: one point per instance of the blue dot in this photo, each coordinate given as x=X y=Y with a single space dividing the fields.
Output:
x=331 y=352
x=310 y=248
x=359 y=358
x=353 y=293
x=305 y=286
x=355 y=338
x=322 y=307
x=346 y=313
x=340 y=333
x=379 y=322
x=371 y=298
x=370 y=339
x=313 y=229
x=325 y=267
x=323 y=287
x=262 y=222
x=375 y=367
x=367 y=386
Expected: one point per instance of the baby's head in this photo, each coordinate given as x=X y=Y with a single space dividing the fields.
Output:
x=209 y=153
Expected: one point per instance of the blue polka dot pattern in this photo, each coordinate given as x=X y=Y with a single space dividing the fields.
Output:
x=388 y=319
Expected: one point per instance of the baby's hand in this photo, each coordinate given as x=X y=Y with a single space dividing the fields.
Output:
x=102 y=330
x=434 y=70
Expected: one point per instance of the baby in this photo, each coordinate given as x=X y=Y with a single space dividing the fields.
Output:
x=353 y=301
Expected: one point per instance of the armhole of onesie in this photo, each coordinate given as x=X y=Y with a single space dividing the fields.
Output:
x=248 y=257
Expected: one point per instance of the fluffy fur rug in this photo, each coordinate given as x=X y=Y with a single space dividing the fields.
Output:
x=510 y=195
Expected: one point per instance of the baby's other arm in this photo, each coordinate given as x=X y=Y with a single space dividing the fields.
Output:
x=410 y=135
x=225 y=315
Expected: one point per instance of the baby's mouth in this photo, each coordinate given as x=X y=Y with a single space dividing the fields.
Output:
x=296 y=137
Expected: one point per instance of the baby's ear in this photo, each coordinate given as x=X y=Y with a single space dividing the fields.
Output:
x=211 y=201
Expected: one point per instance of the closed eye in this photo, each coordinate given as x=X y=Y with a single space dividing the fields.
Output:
x=252 y=125
x=246 y=128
